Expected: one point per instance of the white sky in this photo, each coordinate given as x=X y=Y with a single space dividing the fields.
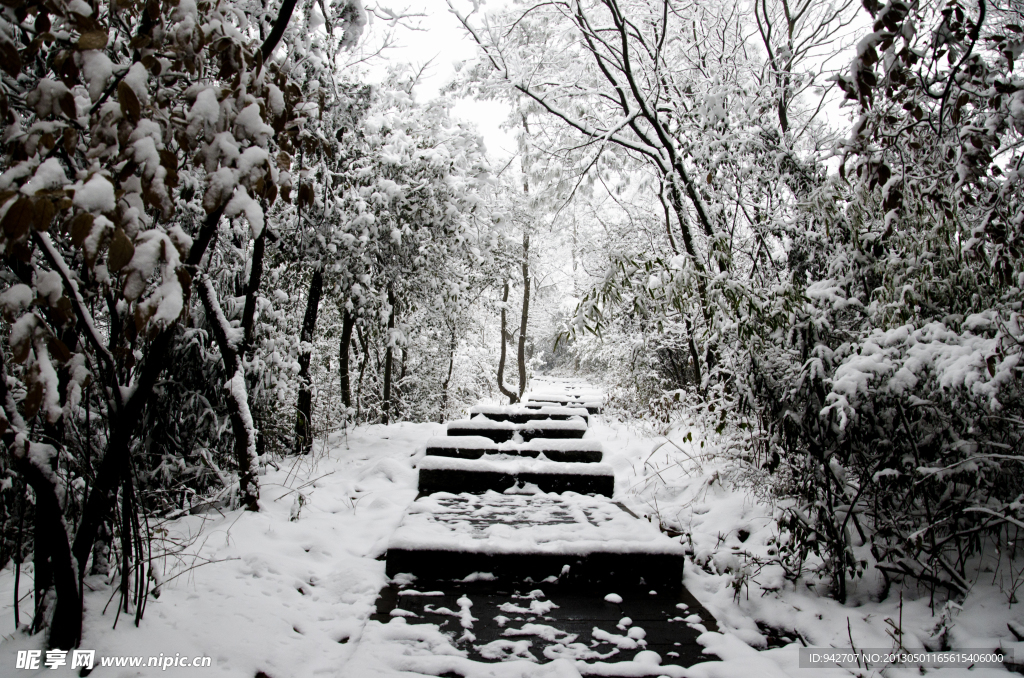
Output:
x=443 y=42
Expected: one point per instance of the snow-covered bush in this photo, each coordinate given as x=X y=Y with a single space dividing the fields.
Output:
x=859 y=334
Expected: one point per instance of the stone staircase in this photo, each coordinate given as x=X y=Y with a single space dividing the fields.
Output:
x=515 y=505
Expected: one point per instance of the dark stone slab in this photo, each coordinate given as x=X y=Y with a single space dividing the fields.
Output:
x=498 y=435
x=577 y=612
x=537 y=404
x=527 y=431
x=612 y=571
x=478 y=482
x=530 y=414
x=575 y=539
x=470 y=452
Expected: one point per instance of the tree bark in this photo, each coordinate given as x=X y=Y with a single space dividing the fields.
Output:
x=58 y=564
x=385 y=407
x=347 y=322
x=238 y=412
x=284 y=15
x=453 y=344
x=676 y=199
x=252 y=290
x=362 y=370
x=512 y=397
x=693 y=353
x=521 y=351
x=304 y=406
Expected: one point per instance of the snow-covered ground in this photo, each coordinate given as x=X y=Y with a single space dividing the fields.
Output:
x=288 y=591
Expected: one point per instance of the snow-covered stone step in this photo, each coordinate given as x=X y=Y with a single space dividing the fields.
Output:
x=558 y=394
x=556 y=622
x=592 y=406
x=568 y=538
x=521 y=415
x=592 y=402
x=475 y=447
x=450 y=474
x=502 y=431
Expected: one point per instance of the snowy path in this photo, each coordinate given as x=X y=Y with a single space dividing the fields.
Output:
x=292 y=591
x=537 y=569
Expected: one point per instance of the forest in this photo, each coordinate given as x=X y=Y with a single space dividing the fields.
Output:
x=787 y=231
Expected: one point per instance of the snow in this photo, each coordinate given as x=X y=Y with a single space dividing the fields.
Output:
x=488 y=410
x=252 y=163
x=483 y=423
x=234 y=335
x=294 y=597
x=221 y=184
x=619 y=641
x=96 y=70
x=182 y=241
x=250 y=123
x=537 y=607
x=48 y=176
x=534 y=445
x=17 y=171
x=95 y=195
x=538 y=523
x=204 y=112
x=236 y=387
x=17 y=298
x=45 y=98
x=23 y=331
x=275 y=99
x=47 y=376
x=137 y=78
x=154 y=251
x=541 y=631
x=242 y=203
x=895 y=360
x=42 y=456
x=266 y=576
x=49 y=286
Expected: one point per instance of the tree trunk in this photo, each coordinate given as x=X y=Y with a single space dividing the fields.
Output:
x=43 y=572
x=693 y=353
x=385 y=407
x=362 y=370
x=521 y=352
x=453 y=344
x=252 y=291
x=58 y=565
x=668 y=216
x=239 y=414
x=676 y=199
x=348 y=320
x=284 y=15
x=304 y=407
x=512 y=397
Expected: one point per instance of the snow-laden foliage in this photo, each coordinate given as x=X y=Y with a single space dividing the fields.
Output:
x=857 y=334
x=181 y=184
